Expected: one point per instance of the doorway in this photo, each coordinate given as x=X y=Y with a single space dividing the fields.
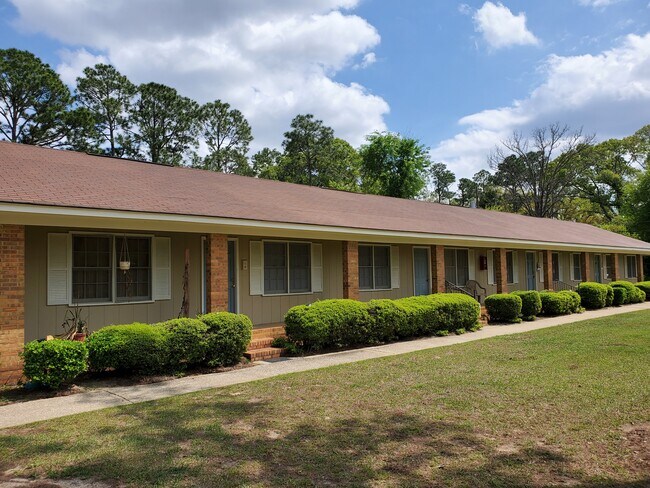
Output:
x=421 y=271
x=530 y=271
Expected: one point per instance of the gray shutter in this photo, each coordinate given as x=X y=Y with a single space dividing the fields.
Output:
x=316 y=268
x=490 y=266
x=256 y=268
x=540 y=259
x=162 y=272
x=58 y=269
x=394 y=266
x=471 y=264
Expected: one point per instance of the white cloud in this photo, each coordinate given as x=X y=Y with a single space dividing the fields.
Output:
x=367 y=60
x=271 y=60
x=597 y=3
x=608 y=92
x=501 y=28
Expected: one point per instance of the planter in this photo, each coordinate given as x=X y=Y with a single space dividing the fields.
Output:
x=79 y=336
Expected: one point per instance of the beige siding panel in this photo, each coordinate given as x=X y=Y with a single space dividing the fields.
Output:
x=42 y=320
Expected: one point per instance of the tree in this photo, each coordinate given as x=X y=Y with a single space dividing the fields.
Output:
x=534 y=177
x=33 y=100
x=638 y=145
x=107 y=95
x=228 y=136
x=266 y=163
x=467 y=191
x=165 y=125
x=441 y=181
x=343 y=168
x=393 y=165
x=487 y=192
x=636 y=208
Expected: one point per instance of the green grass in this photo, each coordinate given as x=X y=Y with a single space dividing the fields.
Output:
x=551 y=407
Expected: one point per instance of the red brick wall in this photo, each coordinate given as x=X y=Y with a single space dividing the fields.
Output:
x=639 y=268
x=12 y=301
x=351 y=270
x=548 y=269
x=501 y=270
x=585 y=266
x=217 y=273
x=438 y=269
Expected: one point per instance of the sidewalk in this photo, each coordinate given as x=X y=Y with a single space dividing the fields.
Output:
x=50 y=408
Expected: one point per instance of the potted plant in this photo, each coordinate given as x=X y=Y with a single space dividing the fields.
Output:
x=74 y=325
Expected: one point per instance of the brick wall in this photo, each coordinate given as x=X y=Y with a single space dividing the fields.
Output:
x=501 y=270
x=547 y=272
x=12 y=299
x=639 y=268
x=585 y=266
x=217 y=273
x=351 y=270
x=438 y=269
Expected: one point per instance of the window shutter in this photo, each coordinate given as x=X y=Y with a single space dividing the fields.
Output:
x=58 y=269
x=490 y=266
x=515 y=266
x=316 y=268
x=256 y=269
x=540 y=259
x=162 y=274
x=394 y=266
x=471 y=265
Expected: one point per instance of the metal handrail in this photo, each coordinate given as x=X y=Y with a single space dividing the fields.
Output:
x=561 y=285
x=454 y=288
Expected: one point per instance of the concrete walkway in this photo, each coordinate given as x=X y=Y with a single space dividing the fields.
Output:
x=50 y=408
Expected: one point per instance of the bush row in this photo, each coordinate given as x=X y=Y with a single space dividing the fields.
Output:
x=343 y=323
x=214 y=339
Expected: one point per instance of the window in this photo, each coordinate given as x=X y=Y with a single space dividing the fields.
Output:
x=609 y=266
x=555 y=264
x=95 y=268
x=576 y=267
x=510 y=267
x=287 y=267
x=457 y=266
x=374 y=267
x=134 y=285
x=630 y=265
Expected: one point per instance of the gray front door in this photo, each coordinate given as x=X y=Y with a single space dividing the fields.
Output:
x=597 y=269
x=232 y=277
x=421 y=270
x=530 y=270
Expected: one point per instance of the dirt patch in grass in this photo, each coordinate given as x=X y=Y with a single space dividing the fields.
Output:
x=637 y=442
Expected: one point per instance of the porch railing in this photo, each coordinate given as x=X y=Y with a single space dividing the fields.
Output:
x=453 y=288
x=561 y=285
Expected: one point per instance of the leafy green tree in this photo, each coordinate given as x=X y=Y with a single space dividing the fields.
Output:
x=228 y=136
x=164 y=125
x=393 y=165
x=343 y=169
x=34 y=101
x=467 y=191
x=107 y=95
x=636 y=208
x=441 y=181
x=488 y=194
x=638 y=145
x=266 y=163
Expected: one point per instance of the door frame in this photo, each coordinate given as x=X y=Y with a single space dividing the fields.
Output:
x=236 y=259
x=533 y=253
x=204 y=297
x=428 y=248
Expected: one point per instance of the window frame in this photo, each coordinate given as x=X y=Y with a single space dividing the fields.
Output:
x=515 y=262
x=114 y=258
x=455 y=250
x=573 y=266
x=374 y=273
x=634 y=267
x=555 y=258
x=288 y=268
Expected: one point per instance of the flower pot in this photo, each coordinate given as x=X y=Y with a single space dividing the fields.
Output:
x=125 y=265
x=79 y=337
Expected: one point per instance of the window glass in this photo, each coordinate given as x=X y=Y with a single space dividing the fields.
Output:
x=450 y=265
x=510 y=267
x=275 y=267
x=556 y=266
x=299 y=267
x=91 y=269
x=135 y=284
x=462 y=267
x=366 y=277
x=577 y=268
x=382 y=267
x=631 y=266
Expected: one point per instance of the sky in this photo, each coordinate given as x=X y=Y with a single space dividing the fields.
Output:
x=458 y=76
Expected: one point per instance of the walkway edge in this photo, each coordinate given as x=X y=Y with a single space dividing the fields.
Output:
x=49 y=408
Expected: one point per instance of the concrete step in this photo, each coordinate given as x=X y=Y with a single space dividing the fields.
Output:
x=264 y=353
x=272 y=332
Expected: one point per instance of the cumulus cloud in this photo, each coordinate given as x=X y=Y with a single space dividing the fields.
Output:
x=608 y=92
x=271 y=60
x=501 y=28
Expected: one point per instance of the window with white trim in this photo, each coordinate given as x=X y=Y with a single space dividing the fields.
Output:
x=287 y=267
x=576 y=267
x=134 y=285
x=510 y=267
x=457 y=266
x=555 y=266
x=609 y=265
x=374 y=267
x=630 y=266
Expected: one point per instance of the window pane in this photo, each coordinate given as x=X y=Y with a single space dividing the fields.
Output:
x=510 y=267
x=631 y=266
x=462 y=267
x=275 y=267
x=450 y=265
x=133 y=285
x=91 y=269
x=556 y=267
x=382 y=267
x=577 y=269
x=365 y=268
x=299 y=267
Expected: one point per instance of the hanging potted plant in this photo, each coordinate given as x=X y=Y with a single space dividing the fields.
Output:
x=125 y=259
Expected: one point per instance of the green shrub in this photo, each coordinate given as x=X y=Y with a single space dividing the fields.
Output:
x=644 y=286
x=575 y=303
x=137 y=348
x=504 y=307
x=228 y=337
x=609 y=300
x=620 y=296
x=186 y=341
x=388 y=321
x=556 y=303
x=634 y=294
x=592 y=295
x=455 y=310
x=531 y=304
x=52 y=363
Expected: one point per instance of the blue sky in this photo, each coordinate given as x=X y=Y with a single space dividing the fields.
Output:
x=459 y=76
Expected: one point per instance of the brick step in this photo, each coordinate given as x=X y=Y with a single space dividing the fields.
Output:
x=261 y=343
x=264 y=353
x=272 y=332
x=483 y=318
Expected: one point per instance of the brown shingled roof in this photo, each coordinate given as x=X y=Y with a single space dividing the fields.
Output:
x=33 y=175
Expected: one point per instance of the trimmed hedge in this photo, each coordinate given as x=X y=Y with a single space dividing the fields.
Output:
x=609 y=300
x=620 y=296
x=52 y=363
x=634 y=293
x=575 y=302
x=531 y=304
x=593 y=295
x=343 y=323
x=186 y=342
x=504 y=307
x=557 y=303
x=137 y=348
x=228 y=336
x=644 y=286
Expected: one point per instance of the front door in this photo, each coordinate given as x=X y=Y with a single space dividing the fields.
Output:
x=232 y=276
x=598 y=269
x=530 y=270
x=421 y=270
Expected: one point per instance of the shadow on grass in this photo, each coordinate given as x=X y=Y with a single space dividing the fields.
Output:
x=231 y=442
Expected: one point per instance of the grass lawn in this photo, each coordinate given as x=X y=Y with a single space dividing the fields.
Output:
x=566 y=406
